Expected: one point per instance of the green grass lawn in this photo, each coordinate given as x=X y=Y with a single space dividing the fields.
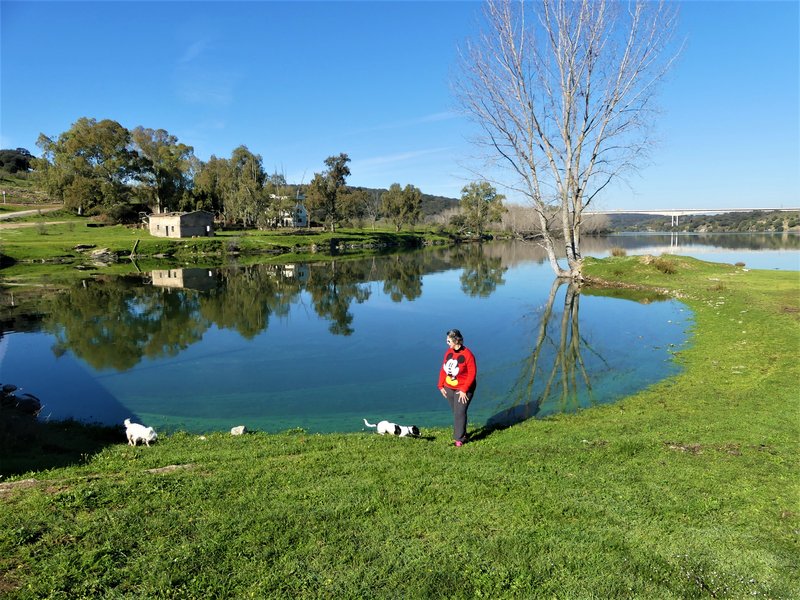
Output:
x=55 y=238
x=688 y=489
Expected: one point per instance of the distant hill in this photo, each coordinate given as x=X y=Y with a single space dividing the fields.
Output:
x=754 y=221
x=433 y=205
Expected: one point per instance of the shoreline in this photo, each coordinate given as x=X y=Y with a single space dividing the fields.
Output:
x=686 y=489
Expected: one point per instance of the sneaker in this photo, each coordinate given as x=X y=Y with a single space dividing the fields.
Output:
x=459 y=443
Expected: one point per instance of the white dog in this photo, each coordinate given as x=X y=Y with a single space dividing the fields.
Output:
x=137 y=433
x=394 y=429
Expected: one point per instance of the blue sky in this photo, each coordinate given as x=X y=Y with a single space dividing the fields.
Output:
x=297 y=82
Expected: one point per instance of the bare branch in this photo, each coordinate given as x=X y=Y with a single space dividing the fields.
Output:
x=563 y=91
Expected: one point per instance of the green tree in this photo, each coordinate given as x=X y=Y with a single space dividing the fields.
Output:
x=15 y=161
x=353 y=205
x=246 y=200
x=402 y=206
x=90 y=166
x=481 y=205
x=210 y=181
x=326 y=189
x=166 y=167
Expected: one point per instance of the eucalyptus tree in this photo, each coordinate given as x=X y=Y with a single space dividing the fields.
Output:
x=209 y=185
x=90 y=165
x=166 y=168
x=402 y=206
x=326 y=189
x=246 y=198
x=353 y=205
x=563 y=92
x=481 y=205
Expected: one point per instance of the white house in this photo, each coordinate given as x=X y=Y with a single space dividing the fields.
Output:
x=294 y=217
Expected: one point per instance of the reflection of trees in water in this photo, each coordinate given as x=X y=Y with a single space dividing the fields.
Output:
x=402 y=277
x=115 y=322
x=247 y=297
x=481 y=273
x=554 y=371
x=333 y=286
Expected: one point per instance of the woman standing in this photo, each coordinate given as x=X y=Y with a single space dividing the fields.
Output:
x=457 y=381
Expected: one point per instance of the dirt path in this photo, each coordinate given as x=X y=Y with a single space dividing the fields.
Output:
x=27 y=213
x=21 y=225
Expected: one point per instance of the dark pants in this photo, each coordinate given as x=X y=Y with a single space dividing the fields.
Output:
x=459 y=413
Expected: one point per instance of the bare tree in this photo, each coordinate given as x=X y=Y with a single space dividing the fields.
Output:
x=563 y=91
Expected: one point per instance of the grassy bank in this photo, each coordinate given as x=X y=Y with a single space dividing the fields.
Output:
x=687 y=489
x=61 y=237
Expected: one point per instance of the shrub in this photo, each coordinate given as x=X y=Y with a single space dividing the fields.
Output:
x=664 y=265
x=618 y=252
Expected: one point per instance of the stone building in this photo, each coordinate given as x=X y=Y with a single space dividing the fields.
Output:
x=182 y=225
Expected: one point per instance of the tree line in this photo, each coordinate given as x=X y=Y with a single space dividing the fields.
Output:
x=101 y=167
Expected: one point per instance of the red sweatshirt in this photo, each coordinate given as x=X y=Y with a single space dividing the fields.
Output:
x=459 y=370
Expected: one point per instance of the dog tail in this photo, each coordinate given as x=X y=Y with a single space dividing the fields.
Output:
x=369 y=424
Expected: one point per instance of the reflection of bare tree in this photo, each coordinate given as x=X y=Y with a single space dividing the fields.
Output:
x=554 y=372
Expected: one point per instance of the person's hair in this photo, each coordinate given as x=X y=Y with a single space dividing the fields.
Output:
x=455 y=335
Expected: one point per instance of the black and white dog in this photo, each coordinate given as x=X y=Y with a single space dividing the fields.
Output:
x=394 y=429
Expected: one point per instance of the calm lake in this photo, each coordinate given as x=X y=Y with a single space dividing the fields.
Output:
x=321 y=346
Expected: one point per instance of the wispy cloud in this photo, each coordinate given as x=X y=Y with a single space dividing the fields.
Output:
x=202 y=136
x=198 y=80
x=393 y=159
x=423 y=120
x=194 y=50
x=207 y=91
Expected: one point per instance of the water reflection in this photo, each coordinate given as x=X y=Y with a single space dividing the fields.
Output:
x=482 y=272
x=321 y=345
x=558 y=378
x=554 y=376
x=189 y=278
x=115 y=322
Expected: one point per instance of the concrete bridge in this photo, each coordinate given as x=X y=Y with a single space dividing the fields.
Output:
x=676 y=213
